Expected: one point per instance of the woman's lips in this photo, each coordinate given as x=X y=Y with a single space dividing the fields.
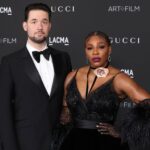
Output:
x=96 y=59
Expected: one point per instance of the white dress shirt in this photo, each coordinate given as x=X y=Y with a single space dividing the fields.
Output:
x=44 y=67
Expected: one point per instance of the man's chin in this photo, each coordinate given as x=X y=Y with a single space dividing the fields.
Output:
x=38 y=40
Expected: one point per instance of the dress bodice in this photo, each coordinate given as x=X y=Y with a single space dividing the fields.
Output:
x=101 y=104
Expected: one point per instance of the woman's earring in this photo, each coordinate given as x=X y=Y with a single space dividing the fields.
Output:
x=109 y=58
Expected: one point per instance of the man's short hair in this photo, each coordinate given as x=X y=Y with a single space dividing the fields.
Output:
x=36 y=6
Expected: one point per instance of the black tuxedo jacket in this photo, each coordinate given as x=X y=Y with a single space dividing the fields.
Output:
x=27 y=113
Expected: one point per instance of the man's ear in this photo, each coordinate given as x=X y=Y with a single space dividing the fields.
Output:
x=50 y=26
x=24 y=25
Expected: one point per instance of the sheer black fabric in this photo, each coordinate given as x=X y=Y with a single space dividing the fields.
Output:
x=101 y=105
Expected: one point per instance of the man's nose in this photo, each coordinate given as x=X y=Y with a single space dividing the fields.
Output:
x=40 y=26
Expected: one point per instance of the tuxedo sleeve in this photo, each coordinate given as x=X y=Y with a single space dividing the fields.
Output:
x=7 y=129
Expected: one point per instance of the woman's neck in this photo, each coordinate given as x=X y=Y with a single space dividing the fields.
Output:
x=103 y=66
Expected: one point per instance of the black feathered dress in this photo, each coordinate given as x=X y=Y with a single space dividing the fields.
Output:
x=101 y=105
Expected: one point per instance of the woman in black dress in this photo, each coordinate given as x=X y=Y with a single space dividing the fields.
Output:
x=92 y=97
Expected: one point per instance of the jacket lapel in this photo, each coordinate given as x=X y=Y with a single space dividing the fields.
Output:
x=56 y=64
x=31 y=71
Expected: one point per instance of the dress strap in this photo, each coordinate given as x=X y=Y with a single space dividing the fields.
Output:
x=76 y=73
x=117 y=74
x=87 y=83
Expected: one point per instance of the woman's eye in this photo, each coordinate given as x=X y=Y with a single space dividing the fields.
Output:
x=102 y=46
x=89 y=48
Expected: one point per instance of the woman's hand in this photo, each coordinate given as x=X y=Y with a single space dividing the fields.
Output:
x=107 y=129
x=65 y=116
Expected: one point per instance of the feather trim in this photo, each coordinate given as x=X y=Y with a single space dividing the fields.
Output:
x=135 y=126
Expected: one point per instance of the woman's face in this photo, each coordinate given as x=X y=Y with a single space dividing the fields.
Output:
x=97 y=51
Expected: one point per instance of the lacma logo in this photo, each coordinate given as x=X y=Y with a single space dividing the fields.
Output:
x=129 y=72
x=6 y=10
x=59 y=40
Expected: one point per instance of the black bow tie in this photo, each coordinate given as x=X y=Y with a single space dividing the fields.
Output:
x=45 y=53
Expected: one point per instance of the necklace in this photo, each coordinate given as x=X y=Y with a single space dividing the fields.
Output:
x=101 y=71
x=87 y=83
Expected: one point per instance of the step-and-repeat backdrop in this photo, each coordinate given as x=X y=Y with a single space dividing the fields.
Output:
x=125 y=21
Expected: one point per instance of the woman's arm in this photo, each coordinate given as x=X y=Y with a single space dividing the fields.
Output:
x=134 y=125
x=65 y=116
x=124 y=85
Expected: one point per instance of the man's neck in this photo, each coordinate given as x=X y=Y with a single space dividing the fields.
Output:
x=38 y=46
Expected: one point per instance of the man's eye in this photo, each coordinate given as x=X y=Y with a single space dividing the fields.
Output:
x=33 y=22
x=45 y=22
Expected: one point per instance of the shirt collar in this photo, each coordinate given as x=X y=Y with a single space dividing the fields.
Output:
x=30 y=48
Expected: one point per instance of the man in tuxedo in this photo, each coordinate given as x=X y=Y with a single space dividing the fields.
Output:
x=31 y=86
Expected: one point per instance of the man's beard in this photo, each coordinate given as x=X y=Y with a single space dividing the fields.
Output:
x=38 y=40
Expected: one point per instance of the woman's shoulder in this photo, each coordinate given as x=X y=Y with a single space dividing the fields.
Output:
x=70 y=76
x=73 y=74
x=117 y=73
x=121 y=79
x=81 y=70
